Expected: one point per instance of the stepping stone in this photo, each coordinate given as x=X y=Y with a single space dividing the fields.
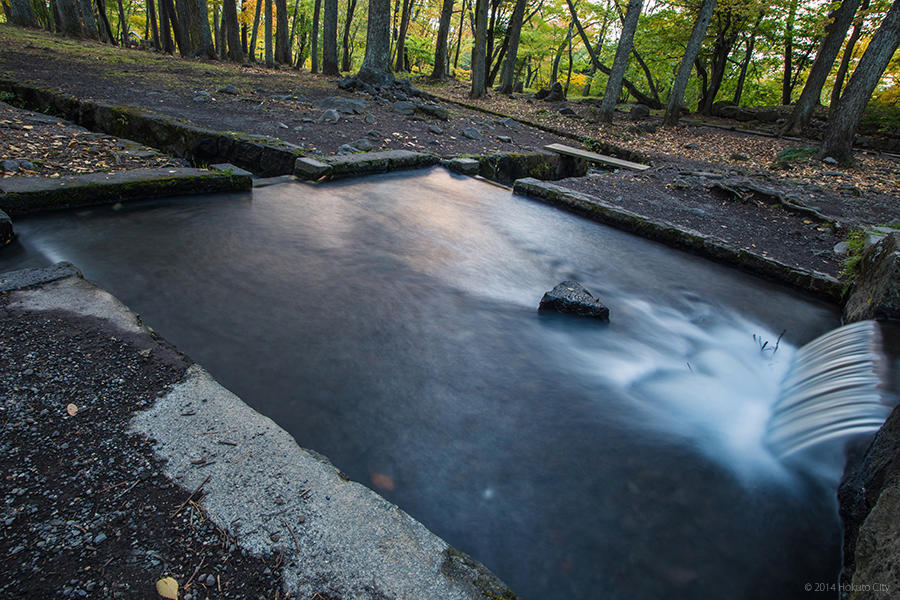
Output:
x=571 y=297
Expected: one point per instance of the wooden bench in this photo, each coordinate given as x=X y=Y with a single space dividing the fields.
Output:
x=594 y=157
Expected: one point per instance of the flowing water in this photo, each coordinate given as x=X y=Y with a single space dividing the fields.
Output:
x=391 y=324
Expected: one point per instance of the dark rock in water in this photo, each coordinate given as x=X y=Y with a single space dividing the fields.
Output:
x=6 y=229
x=572 y=297
x=639 y=112
x=556 y=94
x=876 y=293
x=869 y=498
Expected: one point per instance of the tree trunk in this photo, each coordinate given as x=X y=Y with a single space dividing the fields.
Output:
x=838 y=141
x=507 y=77
x=254 y=37
x=459 y=32
x=154 y=28
x=345 y=39
x=479 y=64
x=164 y=25
x=376 y=66
x=725 y=41
x=569 y=71
x=557 y=57
x=639 y=96
x=848 y=54
x=304 y=34
x=676 y=97
x=329 y=42
x=314 y=49
x=786 y=86
x=68 y=22
x=623 y=50
x=400 y=64
x=243 y=30
x=749 y=45
x=232 y=33
x=268 y=33
x=90 y=23
x=217 y=29
x=282 y=45
x=828 y=51
x=180 y=36
x=201 y=36
x=184 y=21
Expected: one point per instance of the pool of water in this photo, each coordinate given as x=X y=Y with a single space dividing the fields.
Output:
x=390 y=323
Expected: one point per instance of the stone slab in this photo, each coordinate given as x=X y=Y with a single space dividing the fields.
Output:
x=366 y=163
x=231 y=169
x=23 y=195
x=595 y=157
x=17 y=280
x=813 y=282
x=310 y=169
x=466 y=166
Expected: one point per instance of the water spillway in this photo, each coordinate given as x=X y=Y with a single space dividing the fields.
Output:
x=391 y=324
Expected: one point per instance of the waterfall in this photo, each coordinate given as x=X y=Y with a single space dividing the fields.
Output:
x=831 y=390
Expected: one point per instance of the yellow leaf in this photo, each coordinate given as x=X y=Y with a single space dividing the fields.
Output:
x=167 y=587
x=72 y=410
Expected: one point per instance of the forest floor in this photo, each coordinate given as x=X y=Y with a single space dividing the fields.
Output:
x=729 y=184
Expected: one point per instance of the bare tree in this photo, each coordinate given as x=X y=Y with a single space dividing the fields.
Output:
x=479 y=49
x=376 y=67
x=676 y=97
x=623 y=50
x=848 y=54
x=838 y=141
x=345 y=40
x=828 y=51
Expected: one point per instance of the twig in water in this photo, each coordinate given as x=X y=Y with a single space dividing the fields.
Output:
x=778 y=341
x=689 y=367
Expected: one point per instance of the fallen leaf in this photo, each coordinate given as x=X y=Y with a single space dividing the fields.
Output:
x=382 y=482
x=72 y=410
x=167 y=588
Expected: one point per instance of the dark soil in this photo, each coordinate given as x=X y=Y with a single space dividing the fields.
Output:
x=87 y=511
x=55 y=147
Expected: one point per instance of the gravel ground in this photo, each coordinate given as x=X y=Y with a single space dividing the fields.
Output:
x=87 y=511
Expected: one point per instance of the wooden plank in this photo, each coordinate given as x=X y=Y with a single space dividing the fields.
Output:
x=594 y=157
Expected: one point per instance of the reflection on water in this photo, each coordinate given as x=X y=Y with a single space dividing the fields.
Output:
x=391 y=324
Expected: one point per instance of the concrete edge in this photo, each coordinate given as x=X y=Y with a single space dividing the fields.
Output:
x=333 y=533
x=260 y=154
x=43 y=194
x=361 y=164
x=817 y=284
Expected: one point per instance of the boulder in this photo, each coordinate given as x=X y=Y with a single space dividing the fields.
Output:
x=347 y=106
x=432 y=109
x=362 y=144
x=571 y=297
x=639 y=112
x=556 y=94
x=404 y=107
x=541 y=94
x=228 y=88
x=876 y=292
x=330 y=116
x=6 y=229
x=568 y=111
x=509 y=122
x=9 y=165
x=466 y=166
x=472 y=133
x=435 y=129
x=869 y=498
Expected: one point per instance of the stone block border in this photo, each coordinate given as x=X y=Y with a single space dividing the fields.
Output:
x=817 y=284
x=507 y=167
x=262 y=155
x=24 y=195
x=363 y=163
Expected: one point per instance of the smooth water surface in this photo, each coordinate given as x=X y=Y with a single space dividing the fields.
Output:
x=390 y=323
